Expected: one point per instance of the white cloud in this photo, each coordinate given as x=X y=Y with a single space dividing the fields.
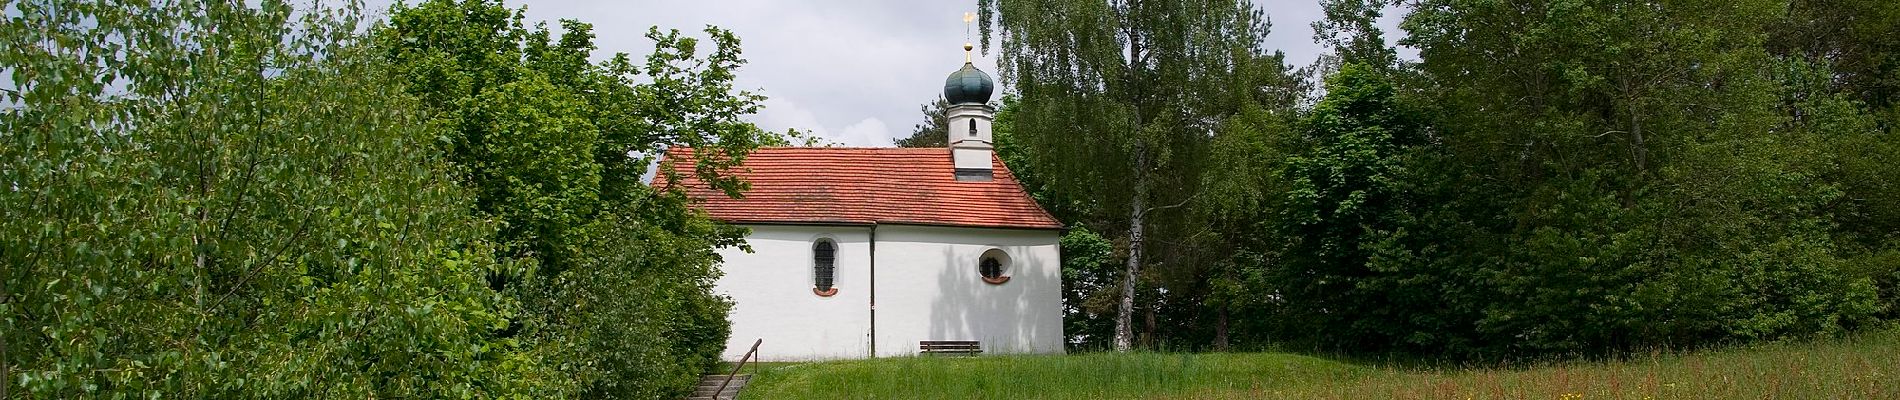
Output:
x=869 y=132
x=844 y=69
x=782 y=113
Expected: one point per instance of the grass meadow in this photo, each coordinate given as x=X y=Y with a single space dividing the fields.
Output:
x=1865 y=366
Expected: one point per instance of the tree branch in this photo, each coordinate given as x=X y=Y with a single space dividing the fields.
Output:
x=1175 y=205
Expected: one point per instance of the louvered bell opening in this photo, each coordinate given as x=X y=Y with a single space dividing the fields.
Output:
x=824 y=258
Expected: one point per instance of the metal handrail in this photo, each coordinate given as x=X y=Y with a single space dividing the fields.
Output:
x=735 y=368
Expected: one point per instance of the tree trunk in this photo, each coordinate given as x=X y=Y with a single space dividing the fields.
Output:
x=1220 y=331
x=1638 y=149
x=1124 y=313
x=1148 y=327
x=6 y=370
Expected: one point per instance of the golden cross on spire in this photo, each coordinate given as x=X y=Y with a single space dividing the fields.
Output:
x=968 y=17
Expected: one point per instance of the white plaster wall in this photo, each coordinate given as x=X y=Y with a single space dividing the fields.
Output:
x=971 y=158
x=959 y=124
x=928 y=288
x=771 y=289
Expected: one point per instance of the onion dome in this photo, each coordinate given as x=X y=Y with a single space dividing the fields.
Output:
x=968 y=85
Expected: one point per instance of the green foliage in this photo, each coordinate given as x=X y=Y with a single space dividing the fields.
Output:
x=1112 y=105
x=1666 y=183
x=1161 y=93
x=1560 y=177
x=1351 y=29
x=1855 y=39
x=1345 y=193
x=1243 y=188
x=1089 y=280
x=207 y=200
x=620 y=286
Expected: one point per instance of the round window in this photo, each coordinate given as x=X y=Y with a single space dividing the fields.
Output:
x=993 y=266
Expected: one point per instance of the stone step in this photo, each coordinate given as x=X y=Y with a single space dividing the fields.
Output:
x=735 y=384
x=715 y=381
x=715 y=384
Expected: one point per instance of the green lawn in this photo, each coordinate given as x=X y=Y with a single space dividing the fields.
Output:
x=1865 y=367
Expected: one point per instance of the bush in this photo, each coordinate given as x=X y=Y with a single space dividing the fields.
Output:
x=620 y=287
x=215 y=201
x=211 y=201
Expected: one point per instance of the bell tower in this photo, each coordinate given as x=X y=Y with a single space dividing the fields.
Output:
x=971 y=144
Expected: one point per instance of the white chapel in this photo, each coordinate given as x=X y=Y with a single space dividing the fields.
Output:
x=869 y=252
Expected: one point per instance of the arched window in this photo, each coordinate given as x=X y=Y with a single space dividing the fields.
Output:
x=972 y=127
x=824 y=262
x=993 y=266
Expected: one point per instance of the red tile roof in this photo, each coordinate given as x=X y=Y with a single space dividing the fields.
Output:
x=861 y=186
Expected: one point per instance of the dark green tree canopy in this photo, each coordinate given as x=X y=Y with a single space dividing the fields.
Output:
x=1571 y=177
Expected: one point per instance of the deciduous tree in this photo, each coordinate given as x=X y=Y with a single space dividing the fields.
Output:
x=220 y=200
x=1122 y=97
x=619 y=275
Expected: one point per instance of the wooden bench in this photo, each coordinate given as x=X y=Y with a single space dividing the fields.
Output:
x=964 y=347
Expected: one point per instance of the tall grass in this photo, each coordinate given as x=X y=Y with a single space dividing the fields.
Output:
x=1865 y=367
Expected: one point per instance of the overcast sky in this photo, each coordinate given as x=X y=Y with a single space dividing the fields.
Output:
x=852 y=71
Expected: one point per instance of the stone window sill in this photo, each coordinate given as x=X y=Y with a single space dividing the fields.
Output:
x=995 y=281
x=825 y=293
